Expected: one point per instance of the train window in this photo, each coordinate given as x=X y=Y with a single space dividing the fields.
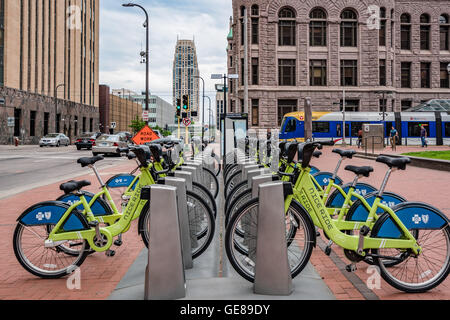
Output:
x=321 y=127
x=414 y=128
x=447 y=129
x=339 y=130
x=291 y=126
x=356 y=126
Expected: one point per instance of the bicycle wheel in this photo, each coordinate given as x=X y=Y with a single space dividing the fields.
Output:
x=201 y=224
x=242 y=199
x=206 y=195
x=230 y=171
x=234 y=180
x=415 y=274
x=211 y=182
x=241 y=250
x=46 y=263
x=217 y=164
x=242 y=186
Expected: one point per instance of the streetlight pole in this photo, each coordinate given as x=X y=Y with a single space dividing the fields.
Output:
x=203 y=107
x=56 y=105
x=209 y=114
x=147 y=52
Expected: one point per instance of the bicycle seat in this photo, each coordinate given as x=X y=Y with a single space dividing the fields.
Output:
x=360 y=171
x=291 y=151
x=72 y=186
x=399 y=163
x=89 y=161
x=317 y=154
x=156 y=151
x=345 y=153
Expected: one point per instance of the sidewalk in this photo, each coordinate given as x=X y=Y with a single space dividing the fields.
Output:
x=99 y=274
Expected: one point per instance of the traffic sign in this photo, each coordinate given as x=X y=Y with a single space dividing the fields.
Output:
x=187 y=122
x=144 y=136
x=145 y=115
x=11 y=121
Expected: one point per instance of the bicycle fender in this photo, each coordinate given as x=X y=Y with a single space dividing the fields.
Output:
x=99 y=208
x=314 y=170
x=121 y=181
x=51 y=212
x=414 y=215
x=323 y=178
x=358 y=211
x=142 y=217
x=337 y=199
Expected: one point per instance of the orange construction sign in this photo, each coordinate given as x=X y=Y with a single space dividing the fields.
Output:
x=144 y=136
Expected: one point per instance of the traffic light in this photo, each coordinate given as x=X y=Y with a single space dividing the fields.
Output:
x=185 y=103
x=178 y=107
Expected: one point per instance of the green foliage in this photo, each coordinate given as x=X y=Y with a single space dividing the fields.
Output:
x=164 y=132
x=137 y=124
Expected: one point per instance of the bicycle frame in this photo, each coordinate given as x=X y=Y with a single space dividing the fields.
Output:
x=310 y=199
x=132 y=212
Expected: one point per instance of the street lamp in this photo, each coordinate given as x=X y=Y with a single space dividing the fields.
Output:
x=209 y=118
x=203 y=107
x=383 y=114
x=56 y=105
x=147 y=54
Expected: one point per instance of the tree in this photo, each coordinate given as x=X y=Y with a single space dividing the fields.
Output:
x=137 y=124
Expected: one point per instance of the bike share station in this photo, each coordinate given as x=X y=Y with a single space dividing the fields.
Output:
x=167 y=271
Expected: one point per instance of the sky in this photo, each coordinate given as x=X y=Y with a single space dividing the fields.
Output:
x=122 y=38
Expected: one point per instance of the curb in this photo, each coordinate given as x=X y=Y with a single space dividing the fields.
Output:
x=433 y=164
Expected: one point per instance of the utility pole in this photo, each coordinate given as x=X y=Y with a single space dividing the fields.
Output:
x=245 y=75
x=308 y=119
x=203 y=108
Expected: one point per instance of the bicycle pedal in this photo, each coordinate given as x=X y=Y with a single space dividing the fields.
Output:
x=110 y=253
x=351 y=267
x=328 y=250
x=93 y=224
x=118 y=243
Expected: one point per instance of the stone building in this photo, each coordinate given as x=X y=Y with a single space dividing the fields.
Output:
x=49 y=49
x=378 y=54
x=118 y=110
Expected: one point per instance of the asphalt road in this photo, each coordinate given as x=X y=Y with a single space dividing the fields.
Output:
x=28 y=167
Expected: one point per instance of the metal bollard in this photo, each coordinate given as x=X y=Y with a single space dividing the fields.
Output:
x=164 y=276
x=180 y=184
x=272 y=270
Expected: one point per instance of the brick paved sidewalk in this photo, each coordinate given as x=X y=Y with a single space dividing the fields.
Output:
x=99 y=274
x=416 y=184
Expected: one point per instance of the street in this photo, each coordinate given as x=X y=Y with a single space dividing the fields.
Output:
x=28 y=167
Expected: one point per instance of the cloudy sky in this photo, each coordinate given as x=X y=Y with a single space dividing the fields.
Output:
x=122 y=37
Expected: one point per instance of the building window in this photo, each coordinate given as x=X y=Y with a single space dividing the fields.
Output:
x=255 y=112
x=46 y=120
x=286 y=27
x=445 y=83
x=318 y=72
x=286 y=72
x=349 y=72
x=406 y=74
x=405 y=30
x=58 y=123
x=392 y=28
x=425 y=76
x=382 y=72
x=425 y=36
x=318 y=28
x=32 y=123
x=91 y=125
x=84 y=124
x=255 y=71
x=383 y=105
x=231 y=61
x=285 y=107
x=406 y=105
x=350 y=106
x=349 y=28
x=383 y=22
x=255 y=24
x=444 y=23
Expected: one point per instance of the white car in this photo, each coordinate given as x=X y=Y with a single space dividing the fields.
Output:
x=108 y=144
x=54 y=140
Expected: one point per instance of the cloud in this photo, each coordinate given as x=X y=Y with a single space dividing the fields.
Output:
x=122 y=37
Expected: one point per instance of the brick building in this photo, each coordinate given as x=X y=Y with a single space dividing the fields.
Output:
x=49 y=49
x=382 y=55
x=118 y=110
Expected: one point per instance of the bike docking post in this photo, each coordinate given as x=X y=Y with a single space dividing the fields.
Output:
x=193 y=170
x=180 y=184
x=164 y=276
x=250 y=221
x=199 y=166
x=188 y=177
x=248 y=168
x=272 y=270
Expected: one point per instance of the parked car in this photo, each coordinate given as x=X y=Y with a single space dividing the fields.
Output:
x=85 y=141
x=108 y=144
x=127 y=135
x=54 y=140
